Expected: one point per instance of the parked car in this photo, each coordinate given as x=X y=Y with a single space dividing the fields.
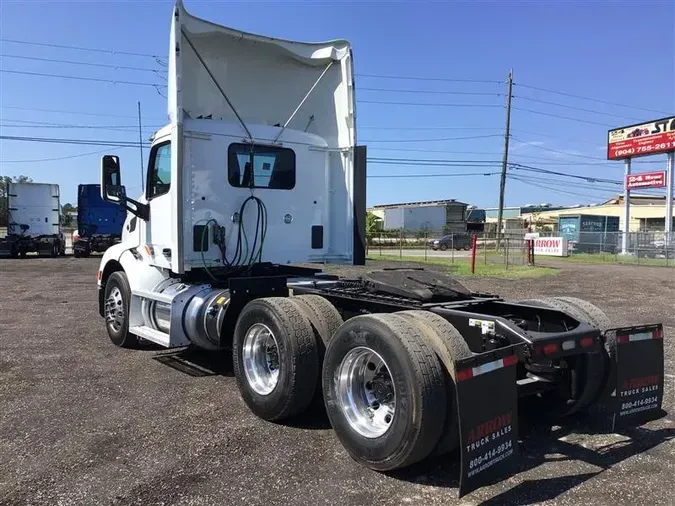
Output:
x=456 y=241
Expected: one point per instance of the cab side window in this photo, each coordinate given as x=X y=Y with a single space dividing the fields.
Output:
x=159 y=175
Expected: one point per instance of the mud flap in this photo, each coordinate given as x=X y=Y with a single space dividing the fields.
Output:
x=639 y=375
x=487 y=403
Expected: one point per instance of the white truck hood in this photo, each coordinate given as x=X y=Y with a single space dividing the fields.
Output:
x=265 y=79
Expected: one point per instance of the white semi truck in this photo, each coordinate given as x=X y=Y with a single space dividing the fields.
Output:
x=259 y=170
x=33 y=221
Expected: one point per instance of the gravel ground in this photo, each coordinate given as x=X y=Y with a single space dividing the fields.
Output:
x=83 y=422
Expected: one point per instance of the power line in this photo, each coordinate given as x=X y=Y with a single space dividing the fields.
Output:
x=565 y=94
x=452 y=152
x=586 y=141
x=61 y=111
x=88 y=64
x=562 y=117
x=576 y=108
x=464 y=174
x=432 y=92
x=570 y=184
x=43 y=124
x=369 y=127
x=64 y=157
x=421 y=78
x=82 y=78
x=432 y=140
x=554 y=190
x=429 y=162
x=86 y=142
x=560 y=152
x=78 y=48
x=518 y=166
x=428 y=104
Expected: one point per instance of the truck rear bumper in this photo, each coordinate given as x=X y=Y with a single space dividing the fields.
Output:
x=487 y=399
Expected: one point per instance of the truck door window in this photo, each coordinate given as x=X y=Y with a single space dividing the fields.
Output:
x=261 y=167
x=159 y=176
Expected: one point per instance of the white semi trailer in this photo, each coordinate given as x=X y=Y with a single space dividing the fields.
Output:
x=33 y=221
x=259 y=169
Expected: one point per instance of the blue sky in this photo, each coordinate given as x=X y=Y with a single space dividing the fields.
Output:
x=616 y=51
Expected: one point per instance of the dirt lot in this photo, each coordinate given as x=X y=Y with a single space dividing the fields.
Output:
x=83 y=422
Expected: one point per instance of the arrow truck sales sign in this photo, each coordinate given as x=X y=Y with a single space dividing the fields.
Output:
x=646 y=180
x=641 y=140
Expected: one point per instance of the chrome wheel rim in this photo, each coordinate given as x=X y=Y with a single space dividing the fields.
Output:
x=115 y=309
x=260 y=354
x=366 y=392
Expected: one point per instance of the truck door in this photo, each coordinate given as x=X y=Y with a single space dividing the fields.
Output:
x=159 y=195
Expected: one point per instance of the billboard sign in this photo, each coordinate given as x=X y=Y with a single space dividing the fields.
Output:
x=646 y=180
x=641 y=140
x=551 y=246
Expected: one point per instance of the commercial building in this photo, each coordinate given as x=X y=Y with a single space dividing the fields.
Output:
x=433 y=215
x=647 y=213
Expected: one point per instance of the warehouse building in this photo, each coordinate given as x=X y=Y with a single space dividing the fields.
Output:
x=647 y=213
x=449 y=216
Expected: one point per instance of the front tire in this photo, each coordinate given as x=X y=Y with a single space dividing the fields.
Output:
x=383 y=387
x=117 y=296
x=275 y=357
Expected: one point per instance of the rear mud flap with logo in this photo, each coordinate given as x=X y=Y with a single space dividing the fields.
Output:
x=639 y=375
x=487 y=404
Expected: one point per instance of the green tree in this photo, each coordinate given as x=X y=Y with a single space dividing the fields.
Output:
x=4 y=182
x=372 y=222
x=66 y=214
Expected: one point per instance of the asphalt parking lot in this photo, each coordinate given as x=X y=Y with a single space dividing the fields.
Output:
x=83 y=422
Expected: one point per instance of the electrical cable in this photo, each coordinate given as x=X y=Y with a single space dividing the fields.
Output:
x=561 y=117
x=607 y=102
x=77 y=48
x=429 y=104
x=87 y=64
x=434 y=92
x=86 y=142
x=593 y=111
x=82 y=78
x=64 y=157
x=61 y=111
x=372 y=141
x=561 y=152
x=420 y=78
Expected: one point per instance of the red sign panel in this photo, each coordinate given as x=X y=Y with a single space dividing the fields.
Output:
x=646 y=180
x=640 y=140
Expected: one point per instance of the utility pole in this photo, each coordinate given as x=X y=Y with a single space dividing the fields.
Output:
x=505 y=159
x=140 y=145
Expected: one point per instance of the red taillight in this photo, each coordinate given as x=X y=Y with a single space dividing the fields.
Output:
x=550 y=349
x=658 y=333
x=510 y=360
x=623 y=339
x=585 y=342
x=464 y=374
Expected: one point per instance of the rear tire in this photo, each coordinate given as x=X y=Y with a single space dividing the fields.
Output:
x=596 y=365
x=117 y=296
x=382 y=387
x=325 y=320
x=276 y=362
x=449 y=345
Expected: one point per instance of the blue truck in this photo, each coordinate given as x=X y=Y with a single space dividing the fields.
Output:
x=99 y=223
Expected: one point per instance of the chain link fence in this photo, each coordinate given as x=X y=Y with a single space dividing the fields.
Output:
x=443 y=247
x=644 y=248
